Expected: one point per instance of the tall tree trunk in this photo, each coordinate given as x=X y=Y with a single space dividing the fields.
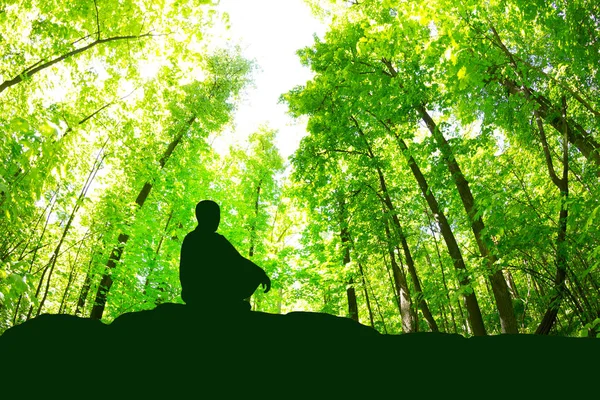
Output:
x=407 y=314
x=441 y=263
x=117 y=251
x=377 y=306
x=62 y=307
x=352 y=303
x=422 y=303
x=253 y=226
x=366 y=292
x=473 y=310
x=466 y=326
x=501 y=294
x=561 y=241
x=85 y=288
x=444 y=318
x=508 y=321
x=346 y=242
x=254 y=302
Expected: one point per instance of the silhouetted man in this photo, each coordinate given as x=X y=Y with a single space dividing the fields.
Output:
x=212 y=272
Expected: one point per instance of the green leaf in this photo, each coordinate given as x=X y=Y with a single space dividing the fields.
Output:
x=19 y=124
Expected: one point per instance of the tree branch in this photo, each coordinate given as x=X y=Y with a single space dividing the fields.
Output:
x=97 y=21
x=41 y=66
x=547 y=154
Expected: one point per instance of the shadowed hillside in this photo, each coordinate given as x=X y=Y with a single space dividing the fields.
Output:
x=175 y=351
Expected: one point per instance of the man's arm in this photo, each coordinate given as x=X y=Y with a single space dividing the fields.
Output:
x=256 y=272
x=261 y=276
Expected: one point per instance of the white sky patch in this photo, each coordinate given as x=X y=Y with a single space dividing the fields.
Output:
x=270 y=32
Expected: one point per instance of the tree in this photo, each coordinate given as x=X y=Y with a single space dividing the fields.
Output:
x=206 y=105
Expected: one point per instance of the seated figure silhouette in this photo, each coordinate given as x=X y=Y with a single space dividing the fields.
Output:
x=212 y=272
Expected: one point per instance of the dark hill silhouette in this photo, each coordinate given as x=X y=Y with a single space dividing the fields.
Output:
x=176 y=351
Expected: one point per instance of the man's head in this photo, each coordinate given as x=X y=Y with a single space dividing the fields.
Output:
x=208 y=215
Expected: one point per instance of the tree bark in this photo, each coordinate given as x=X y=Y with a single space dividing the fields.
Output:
x=71 y=277
x=407 y=314
x=508 y=321
x=387 y=201
x=366 y=292
x=440 y=261
x=473 y=310
x=253 y=226
x=352 y=303
x=562 y=184
x=345 y=239
x=85 y=288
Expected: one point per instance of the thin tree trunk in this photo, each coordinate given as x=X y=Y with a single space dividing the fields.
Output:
x=526 y=305
x=588 y=309
x=444 y=318
x=512 y=285
x=71 y=277
x=407 y=314
x=51 y=207
x=422 y=303
x=346 y=242
x=367 y=299
x=157 y=252
x=465 y=324
x=473 y=310
x=508 y=321
x=441 y=263
x=392 y=283
x=85 y=288
x=467 y=327
x=90 y=178
x=388 y=204
x=562 y=184
x=377 y=306
x=279 y=300
x=352 y=303
x=253 y=238
x=253 y=226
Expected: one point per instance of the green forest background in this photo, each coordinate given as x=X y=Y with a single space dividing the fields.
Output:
x=449 y=180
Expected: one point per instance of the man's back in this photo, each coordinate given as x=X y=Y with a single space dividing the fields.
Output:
x=208 y=261
x=212 y=271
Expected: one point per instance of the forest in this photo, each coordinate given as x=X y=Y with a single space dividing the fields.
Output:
x=449 y=179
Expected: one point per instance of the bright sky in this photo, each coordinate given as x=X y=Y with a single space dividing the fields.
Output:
x=270 y=31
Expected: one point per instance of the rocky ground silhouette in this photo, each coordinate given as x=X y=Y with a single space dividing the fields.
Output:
x=175 y=351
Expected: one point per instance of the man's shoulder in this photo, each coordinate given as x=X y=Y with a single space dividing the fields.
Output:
x=204 y=236
x=218 y=236
x=195 y=236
